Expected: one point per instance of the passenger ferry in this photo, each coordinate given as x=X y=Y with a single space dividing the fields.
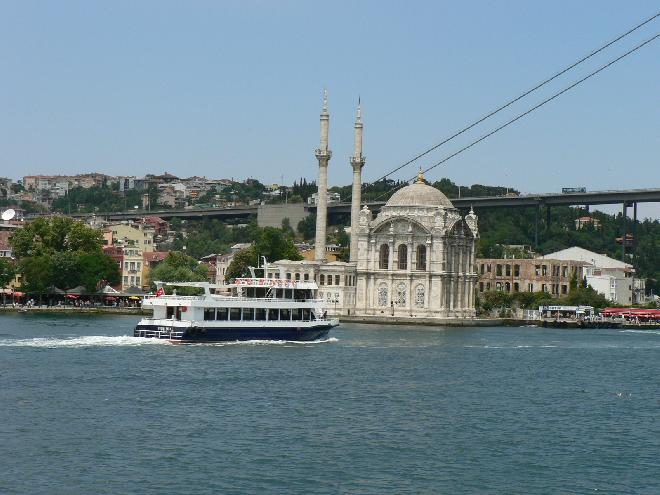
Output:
x=247 y=309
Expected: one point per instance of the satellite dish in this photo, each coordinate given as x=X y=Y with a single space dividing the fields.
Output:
x=8 y=214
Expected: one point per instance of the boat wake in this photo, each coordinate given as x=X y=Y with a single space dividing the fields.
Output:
x=260 y=342
x=77 y=342
x=650 y=331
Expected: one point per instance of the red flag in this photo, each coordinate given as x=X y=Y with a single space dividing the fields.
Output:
x=160 y=292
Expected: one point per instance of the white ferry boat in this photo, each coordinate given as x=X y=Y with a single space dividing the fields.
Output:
x=247 y=309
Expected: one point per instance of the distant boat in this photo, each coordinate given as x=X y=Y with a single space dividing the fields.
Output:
x=248 y=309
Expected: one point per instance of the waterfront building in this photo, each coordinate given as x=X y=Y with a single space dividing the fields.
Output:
x=612 y=278
x=136 y=234
x=415 y=258
x=528 y=275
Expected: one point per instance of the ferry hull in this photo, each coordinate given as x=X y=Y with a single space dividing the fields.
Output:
x=200 y=334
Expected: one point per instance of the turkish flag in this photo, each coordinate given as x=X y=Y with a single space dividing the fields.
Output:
x=160 y=292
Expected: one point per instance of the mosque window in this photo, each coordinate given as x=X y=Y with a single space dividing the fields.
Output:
x=384 y=259
x=403 y=257
x=421 y=257
x=382 y=296
x=419 y=296
x=322 y=279
x=400 y=295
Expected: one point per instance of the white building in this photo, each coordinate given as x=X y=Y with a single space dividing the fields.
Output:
x=414 y=259
x=612 y=278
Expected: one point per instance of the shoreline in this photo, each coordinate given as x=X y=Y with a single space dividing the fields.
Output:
x=72 y=310
x=442 y=322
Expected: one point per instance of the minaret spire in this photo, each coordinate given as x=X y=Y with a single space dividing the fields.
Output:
x=323 y=155
x=357 y=162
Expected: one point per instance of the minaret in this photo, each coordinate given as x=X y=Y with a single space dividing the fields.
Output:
x=357 y=162
x=323 y=155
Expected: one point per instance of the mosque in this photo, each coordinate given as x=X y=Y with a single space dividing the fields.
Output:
x=416 y=258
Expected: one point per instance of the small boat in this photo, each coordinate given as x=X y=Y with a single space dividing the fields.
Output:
x=248 y=309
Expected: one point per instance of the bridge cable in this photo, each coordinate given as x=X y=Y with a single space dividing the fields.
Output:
x=518 y=98
x=530 y=110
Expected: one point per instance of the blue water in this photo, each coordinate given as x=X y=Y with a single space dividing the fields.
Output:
x=373 y=410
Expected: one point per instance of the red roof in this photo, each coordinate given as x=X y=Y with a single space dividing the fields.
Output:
x=155 y=256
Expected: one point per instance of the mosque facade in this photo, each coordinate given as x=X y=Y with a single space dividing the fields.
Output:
x=416 y=258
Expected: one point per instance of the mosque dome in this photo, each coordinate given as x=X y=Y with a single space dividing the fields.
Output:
x=419 y=194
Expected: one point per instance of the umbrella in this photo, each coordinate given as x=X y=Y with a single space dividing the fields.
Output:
x=18 y=294
x=54 y=290
x=77 y=291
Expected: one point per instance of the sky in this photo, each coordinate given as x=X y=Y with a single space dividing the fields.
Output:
x=233 y=89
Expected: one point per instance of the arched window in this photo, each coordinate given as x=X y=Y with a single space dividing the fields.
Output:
x=403 y=257
x=384 y=258
x=421 y=257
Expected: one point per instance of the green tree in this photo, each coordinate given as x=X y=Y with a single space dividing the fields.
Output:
x=307 y=227
x=178 y=267
x=97 y=269
x=55 y=234
x=37 y=274
x=7 y=274
x=271 y=243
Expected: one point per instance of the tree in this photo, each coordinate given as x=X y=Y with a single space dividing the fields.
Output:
x=49 y=235
x=97 y=269
x=271 y=243
x=37 y=273
x=178 y=267
x=7 y=274
x=307 y=227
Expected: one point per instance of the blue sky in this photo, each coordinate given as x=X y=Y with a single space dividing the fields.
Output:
x=233 y=89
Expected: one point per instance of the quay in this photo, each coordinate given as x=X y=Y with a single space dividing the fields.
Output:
x=73 y=310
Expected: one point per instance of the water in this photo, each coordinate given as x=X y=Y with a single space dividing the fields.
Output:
x=86 y=410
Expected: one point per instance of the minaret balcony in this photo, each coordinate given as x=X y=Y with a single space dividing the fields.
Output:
x=327 y=154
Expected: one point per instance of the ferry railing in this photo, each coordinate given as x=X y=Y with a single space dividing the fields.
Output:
x=233 y=298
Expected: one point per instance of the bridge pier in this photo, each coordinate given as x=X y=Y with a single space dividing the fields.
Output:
x=547 y=217
x=536 y=225
x=634 y=243
x=624 y=207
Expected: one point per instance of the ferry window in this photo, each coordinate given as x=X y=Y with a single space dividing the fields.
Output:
x=322 y=280
x=222 y=314
x=306 y=313
x=169 y=312
x=260 y=314
x=248 y=314
x=273 y=314
x=209 y=314
x=296 y=314
x=336 y=279
x=285 y=314
x=235 y=314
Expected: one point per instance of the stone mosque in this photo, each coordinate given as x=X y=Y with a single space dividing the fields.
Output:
x=416 y=258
